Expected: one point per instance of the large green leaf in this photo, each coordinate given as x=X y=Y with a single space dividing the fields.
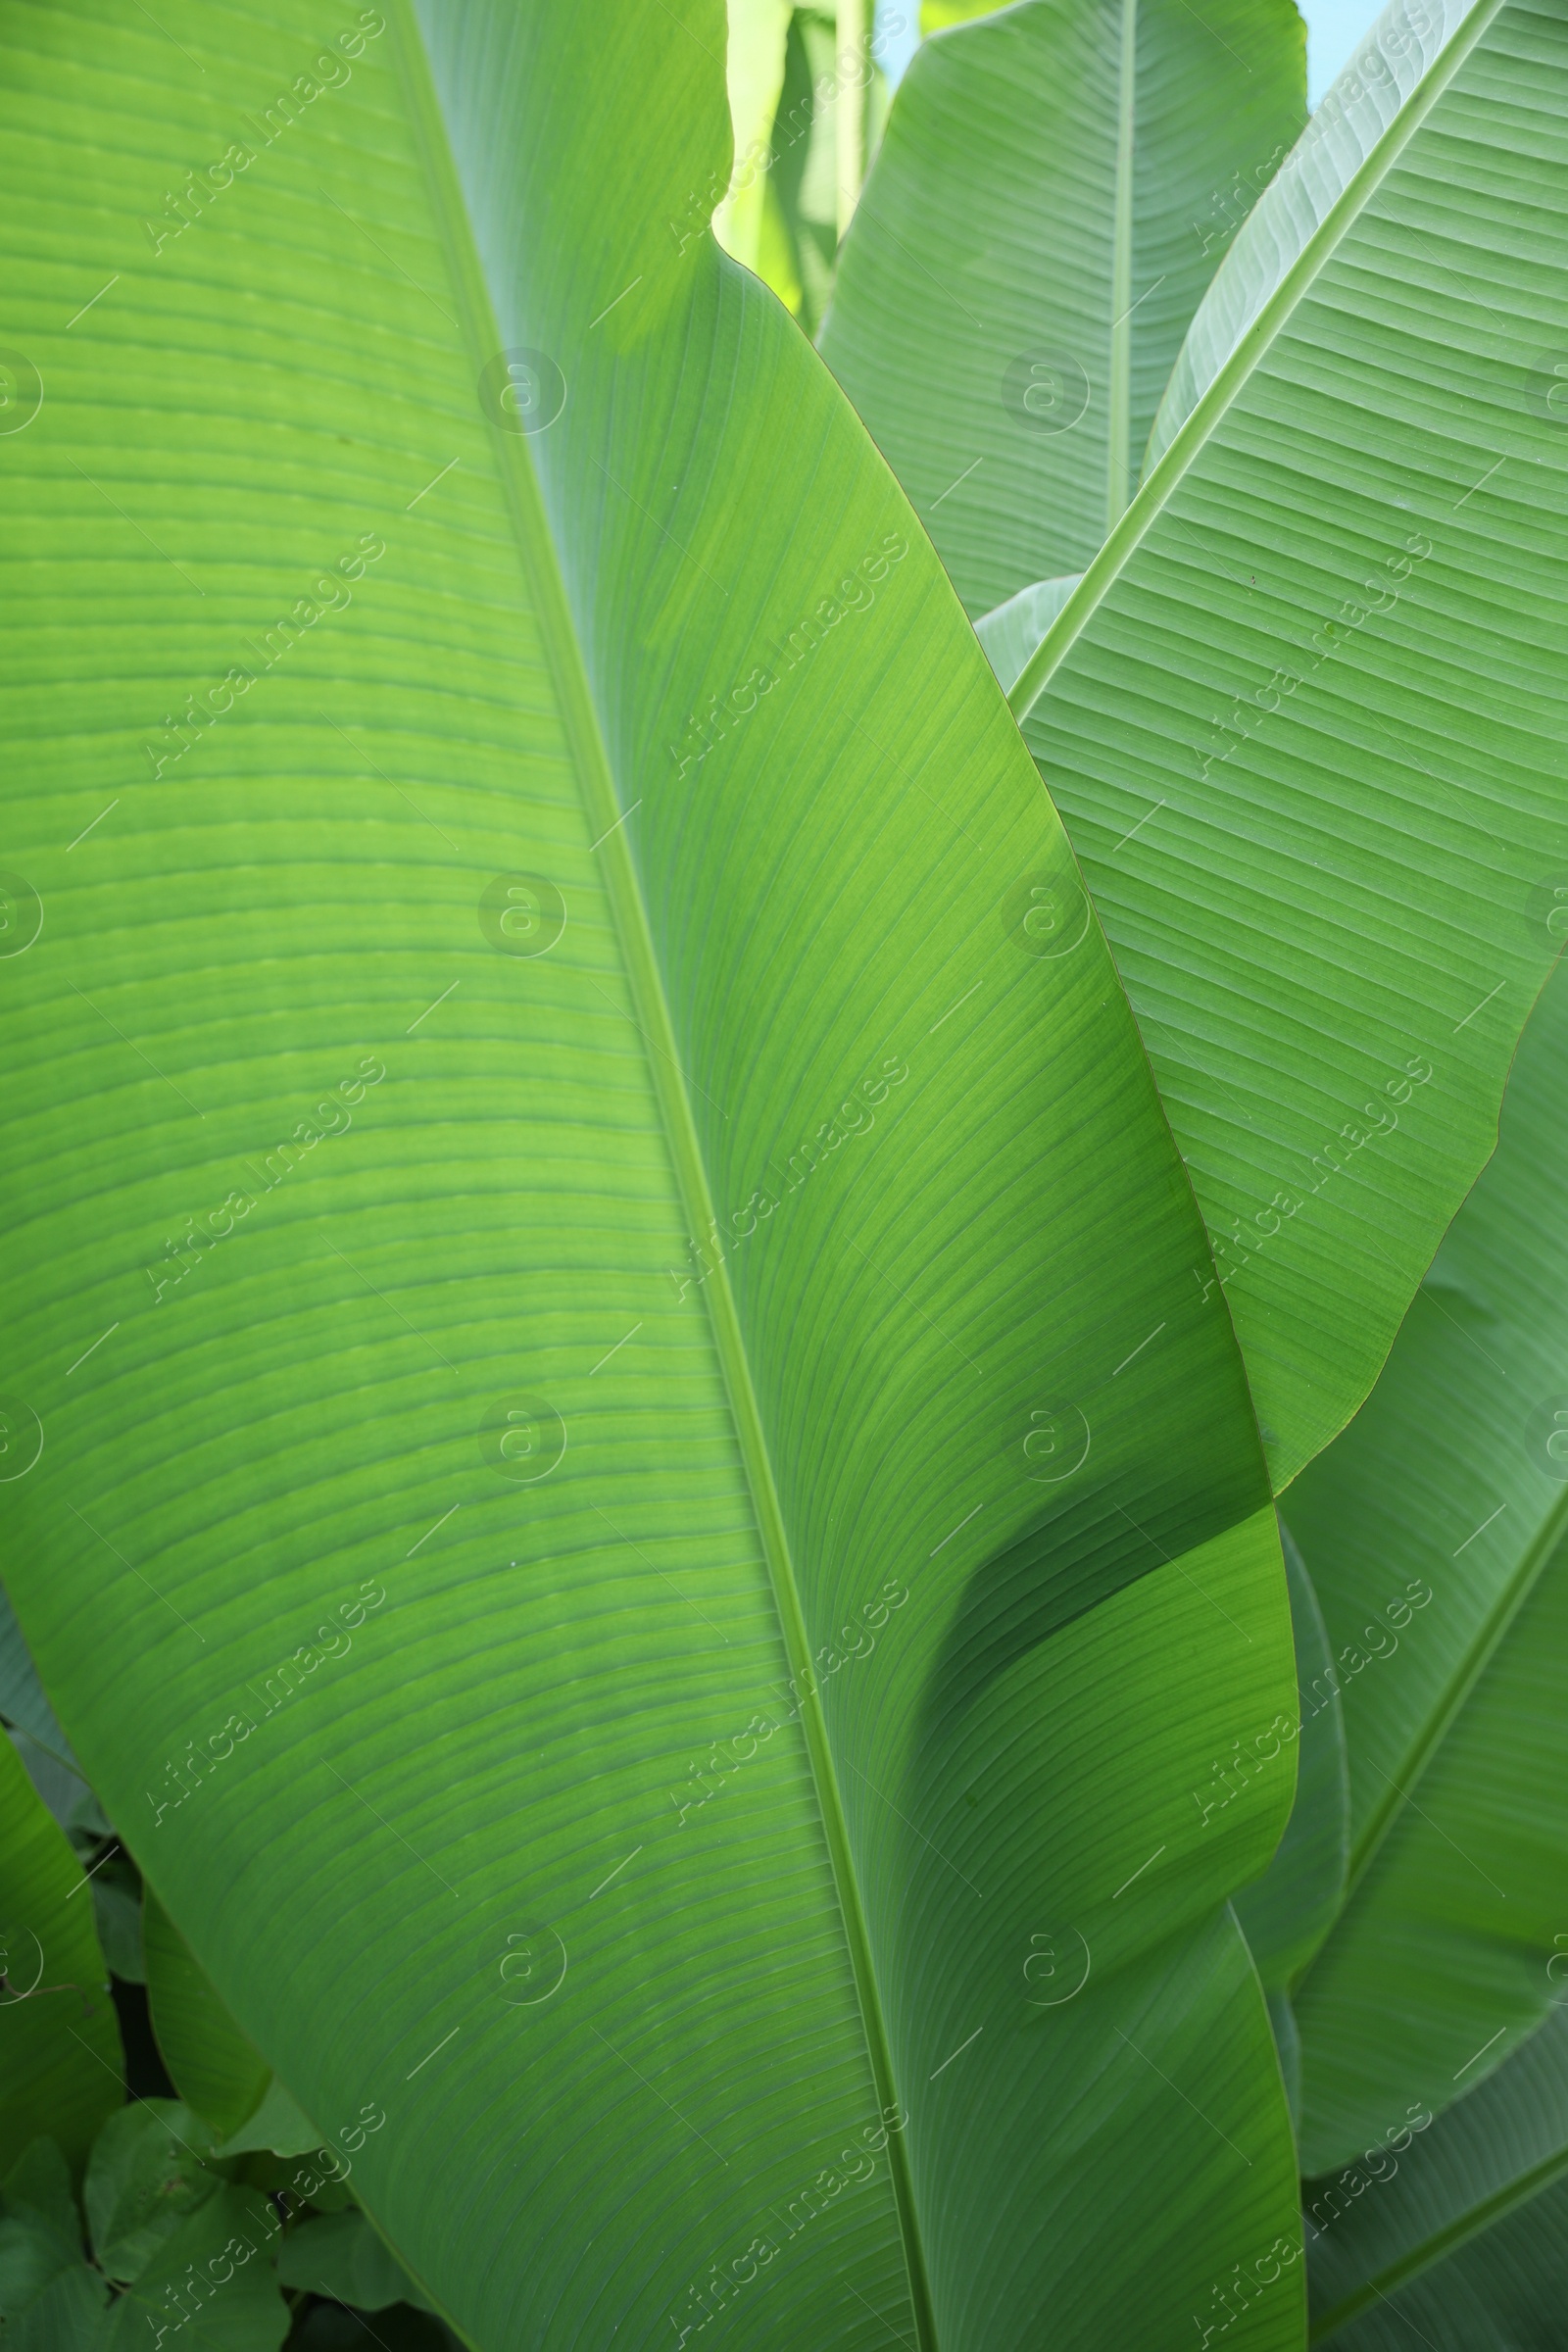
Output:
x=72 y=2315
x=1453 y=2234
x=211 y=2063
x=1434 y=1531
x=61 y=2063
x=455 y=1501
x=1304 y=715
x=1054 y=193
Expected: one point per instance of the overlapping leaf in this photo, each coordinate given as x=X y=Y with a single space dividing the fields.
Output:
x=1454 y=2232
x=1054 y=193
x=210 y=2061
x=1304 y=717
x=1302 y=713
x=23 y=1703
x=60 y=2055
x=1289 y=1911
x=1435 y=1532
x=621 y=1357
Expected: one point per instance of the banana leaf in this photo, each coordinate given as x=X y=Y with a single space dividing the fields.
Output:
x=1302 y=714
x=1435 y=1533
x=1011 y=632
x=1287 y=1912
x=61 y=2062
x=1055 y=191
x=1452 y=2233
x=754 y=74
x=618 y=1356
x=210 y=2062
x=803 y=167
x=23 y=1705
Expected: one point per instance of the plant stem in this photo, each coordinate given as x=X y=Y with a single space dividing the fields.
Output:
x=849 y=108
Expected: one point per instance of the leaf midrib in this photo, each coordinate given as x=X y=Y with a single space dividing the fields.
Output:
x=1441 y=2243
x=1494 y=1628
x=1119 y=423
x=541 y=568
x=1252 y=344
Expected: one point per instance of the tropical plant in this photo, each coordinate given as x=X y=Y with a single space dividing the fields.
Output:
x=688 y=1630
x=1409 y=1941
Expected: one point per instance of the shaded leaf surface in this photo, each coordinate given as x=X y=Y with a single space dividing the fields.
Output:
x=1461 y=2236
x=212 y=2064
x=72 y=2315
x=341 y=2256
x=1290 y=1909
x=22 y=1698
x=211 y=2284
x=40 y=2228
x=277 y=2123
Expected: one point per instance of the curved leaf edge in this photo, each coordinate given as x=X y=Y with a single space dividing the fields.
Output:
x=1165 y=476
x=536 y=541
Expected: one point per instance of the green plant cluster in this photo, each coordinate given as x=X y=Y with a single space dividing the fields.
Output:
x=857 y=1627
